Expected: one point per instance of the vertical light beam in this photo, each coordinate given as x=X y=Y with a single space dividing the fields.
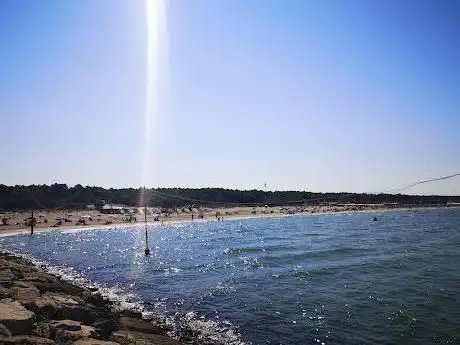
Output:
x=156 y=83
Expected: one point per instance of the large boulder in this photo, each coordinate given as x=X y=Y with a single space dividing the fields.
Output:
x=97 y=300
x=70 y=330
x=105 y=327
x=137 y=338
x=138 y=325
x=15 y=317
x=25 y=340
x=43 y=305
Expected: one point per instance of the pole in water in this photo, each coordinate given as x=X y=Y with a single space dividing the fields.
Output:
x=147 y=250
x=32 y=220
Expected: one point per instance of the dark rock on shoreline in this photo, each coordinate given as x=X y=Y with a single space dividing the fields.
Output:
x=138 y=325
x=16 y=318
x=38 y=308
x=138 y=338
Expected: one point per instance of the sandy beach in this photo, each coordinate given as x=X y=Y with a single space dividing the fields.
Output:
x=63 y=219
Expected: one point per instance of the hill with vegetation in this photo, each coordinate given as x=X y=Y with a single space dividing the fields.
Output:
x=61 y=196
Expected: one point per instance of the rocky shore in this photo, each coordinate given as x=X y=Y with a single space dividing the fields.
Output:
x=39 y=308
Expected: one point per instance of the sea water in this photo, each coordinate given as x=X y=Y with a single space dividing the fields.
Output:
x=320 y=279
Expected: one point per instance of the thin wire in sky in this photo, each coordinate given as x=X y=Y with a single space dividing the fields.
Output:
x=403 y=188
x=397 y=190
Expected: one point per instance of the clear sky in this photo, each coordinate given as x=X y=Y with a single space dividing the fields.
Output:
x=345 y=95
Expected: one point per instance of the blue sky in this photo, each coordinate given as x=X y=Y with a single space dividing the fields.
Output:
x=357 y=96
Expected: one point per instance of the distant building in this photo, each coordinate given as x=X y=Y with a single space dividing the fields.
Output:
x=113 y=209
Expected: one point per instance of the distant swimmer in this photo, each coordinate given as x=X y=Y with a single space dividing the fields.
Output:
x=375 y=219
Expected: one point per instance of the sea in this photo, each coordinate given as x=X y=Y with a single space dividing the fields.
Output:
x=339 y=278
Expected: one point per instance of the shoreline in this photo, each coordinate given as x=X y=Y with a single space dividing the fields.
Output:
x=169 y=222
x=41 y=308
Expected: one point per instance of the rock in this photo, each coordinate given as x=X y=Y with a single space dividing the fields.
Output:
x=25 y=340
x=91 y=341
x=7 y=258
x=137 y=338
x=17 y=266
x=70 y=330
x=97 y=300
x=106 y=326
x=62 y=330
x=27 y=293
x=42 y=329
x=43 y=305
x=15 y=317
x=138 y=325
x=61 y=306
x=79 y=313
x=6 y=275
x=4 y=332
x=131 y=313
x=5 y=292
x=59 y=286
x=38 y=277
x=64 y=299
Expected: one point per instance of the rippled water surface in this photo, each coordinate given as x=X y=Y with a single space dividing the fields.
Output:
x=333 y=279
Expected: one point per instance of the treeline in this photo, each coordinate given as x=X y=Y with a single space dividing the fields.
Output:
x=61 y=196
